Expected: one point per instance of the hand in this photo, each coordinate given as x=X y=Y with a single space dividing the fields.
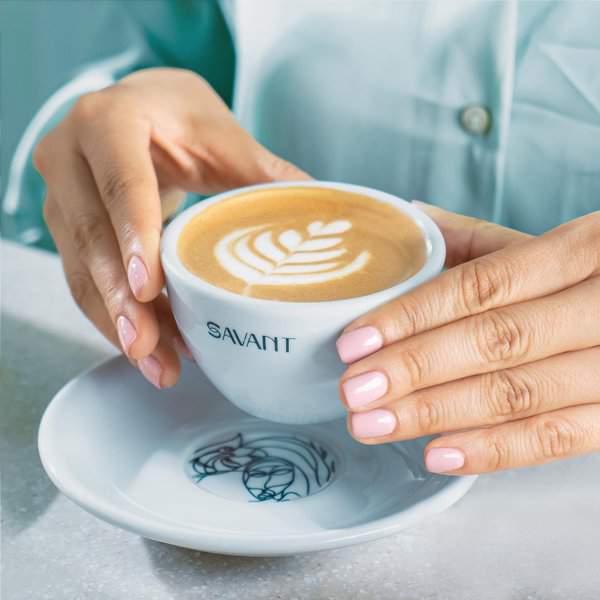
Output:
x=115 y=167
x=500 y=354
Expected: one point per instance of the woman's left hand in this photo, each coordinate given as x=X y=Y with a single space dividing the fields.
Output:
x=500 y=354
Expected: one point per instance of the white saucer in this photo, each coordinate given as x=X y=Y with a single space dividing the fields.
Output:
x=186 y=467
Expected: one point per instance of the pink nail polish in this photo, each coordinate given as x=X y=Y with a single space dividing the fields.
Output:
x=137 y=274
x=151 y=370
x=441 y=460
x=364 y=389
x=358 y=343
x=372 y=424
x=126 y=331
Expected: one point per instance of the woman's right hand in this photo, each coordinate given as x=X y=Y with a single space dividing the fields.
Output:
x=115 y=168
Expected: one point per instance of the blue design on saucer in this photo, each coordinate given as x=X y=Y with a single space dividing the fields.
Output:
x=272 y=467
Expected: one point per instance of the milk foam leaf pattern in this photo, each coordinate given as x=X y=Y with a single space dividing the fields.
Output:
x=317 y=228
x=261 y=255
x=322 y=244
x=290 y=239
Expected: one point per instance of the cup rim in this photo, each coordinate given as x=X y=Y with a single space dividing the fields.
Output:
x=436 y=246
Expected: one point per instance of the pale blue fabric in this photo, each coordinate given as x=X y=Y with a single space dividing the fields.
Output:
x=373 y=93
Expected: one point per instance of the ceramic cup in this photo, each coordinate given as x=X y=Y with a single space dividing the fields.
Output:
x=277 y=360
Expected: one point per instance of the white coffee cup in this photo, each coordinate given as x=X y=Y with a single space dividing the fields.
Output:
x=289 y=370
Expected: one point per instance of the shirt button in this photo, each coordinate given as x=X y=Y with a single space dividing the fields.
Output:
x=476 y=119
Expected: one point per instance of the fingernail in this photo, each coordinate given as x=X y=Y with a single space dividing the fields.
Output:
x=364 y=389
x=441 y=460
x=358 y=343
x=151 y=370
x=126 y=331
x=137 y=275
x=182 y=348
x=372 y=424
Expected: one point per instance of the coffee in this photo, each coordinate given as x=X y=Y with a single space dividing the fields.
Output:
x=302 y=244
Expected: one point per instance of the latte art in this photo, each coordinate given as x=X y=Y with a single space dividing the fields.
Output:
x=260 y=256
x=302 y=244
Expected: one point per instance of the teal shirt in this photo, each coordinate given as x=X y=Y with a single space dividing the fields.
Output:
x=484 y=108
x=183 y=33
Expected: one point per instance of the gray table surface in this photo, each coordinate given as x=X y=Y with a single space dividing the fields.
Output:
x=523 y=534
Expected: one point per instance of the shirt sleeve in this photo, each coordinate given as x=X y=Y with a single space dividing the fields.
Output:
x=185 y=34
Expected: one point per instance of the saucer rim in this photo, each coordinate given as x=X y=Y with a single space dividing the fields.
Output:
x=219 y=541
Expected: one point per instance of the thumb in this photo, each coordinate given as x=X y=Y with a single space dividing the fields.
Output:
x=275 y=168
x=467 y=237
x=224 y=158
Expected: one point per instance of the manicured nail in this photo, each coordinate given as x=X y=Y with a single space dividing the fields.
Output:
x=182 y=348
x=358 y=343
x=372 y=424
x=441 y=460
x=151 y=370
x=137 y=275
x=364 y=389
x=126 y=331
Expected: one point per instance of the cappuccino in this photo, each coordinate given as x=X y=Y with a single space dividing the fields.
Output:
x=302 y=244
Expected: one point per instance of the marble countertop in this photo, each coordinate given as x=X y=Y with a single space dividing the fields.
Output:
x=524 y=534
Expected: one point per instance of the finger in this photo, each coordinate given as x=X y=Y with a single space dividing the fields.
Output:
x=84 y=290
x=93 y=241
x=197 y=144
x=275 y=168
x=561 y=381
x=170 y=201
x=521 y=271
x=239 y=162
x=126 y=180
x=81 y=284
x=537 y=440
x=494 y=340
x=169 y=329
x=162 y=367
x=214 y=154
x=466 y=237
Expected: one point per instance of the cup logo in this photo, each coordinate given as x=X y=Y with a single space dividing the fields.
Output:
x=260 y=256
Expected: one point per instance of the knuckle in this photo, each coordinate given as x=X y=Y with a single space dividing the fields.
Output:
x=498 y=453
x=499 y=337
x=429 y=416
x=81 y=286
x=116 y=187
x=41 y=155
x=416 y=364
x=511 y=395
x=88 y=232
x=406 y=321
x=87 y=107
x=555 y=438
x=115 y=295
x=483 y=283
